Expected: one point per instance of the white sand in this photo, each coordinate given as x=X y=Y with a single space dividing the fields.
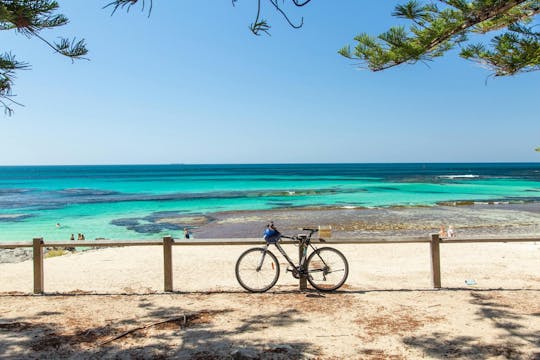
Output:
x=211 y=268
x=387 y=307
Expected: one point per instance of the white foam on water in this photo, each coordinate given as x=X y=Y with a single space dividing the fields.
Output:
x=465 y=176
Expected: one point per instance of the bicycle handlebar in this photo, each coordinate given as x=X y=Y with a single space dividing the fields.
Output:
x=298 y=236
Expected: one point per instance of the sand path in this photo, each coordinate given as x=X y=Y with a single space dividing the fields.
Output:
x=386 y=310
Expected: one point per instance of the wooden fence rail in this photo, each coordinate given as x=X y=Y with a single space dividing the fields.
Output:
x=168 y=242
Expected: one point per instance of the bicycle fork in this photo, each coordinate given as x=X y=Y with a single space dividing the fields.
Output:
x=261 y=262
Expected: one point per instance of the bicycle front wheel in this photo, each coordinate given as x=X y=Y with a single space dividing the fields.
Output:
x=257 y=270
x=327 y=269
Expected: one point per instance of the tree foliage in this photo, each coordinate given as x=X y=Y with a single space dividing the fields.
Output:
x=30 y=18
x=437 y=27
x=261 y=25
x=434 y=28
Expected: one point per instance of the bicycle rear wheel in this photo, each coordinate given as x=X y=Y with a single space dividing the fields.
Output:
x=327 y=269
x=257 y=270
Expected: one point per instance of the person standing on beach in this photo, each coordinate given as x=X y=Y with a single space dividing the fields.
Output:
x=72 y=237
x=186 y=233
x=450 y=231
x=442 y=232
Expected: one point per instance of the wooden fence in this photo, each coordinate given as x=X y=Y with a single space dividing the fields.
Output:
x=168 y=242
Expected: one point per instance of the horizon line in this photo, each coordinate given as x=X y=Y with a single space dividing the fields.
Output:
x=278 y=163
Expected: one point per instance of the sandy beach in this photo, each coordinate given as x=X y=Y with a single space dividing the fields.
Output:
x=143 y=172
x=387 y=309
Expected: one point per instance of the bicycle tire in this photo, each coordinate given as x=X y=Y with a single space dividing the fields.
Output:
x=327 y=269
x=248 y=276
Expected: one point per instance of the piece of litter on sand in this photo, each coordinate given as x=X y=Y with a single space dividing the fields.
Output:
x=470 y=282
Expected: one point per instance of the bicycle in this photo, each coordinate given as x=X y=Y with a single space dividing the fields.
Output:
x=326 y=269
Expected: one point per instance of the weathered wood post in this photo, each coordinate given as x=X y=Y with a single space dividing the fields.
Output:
x=37 y=247
x=435 y=261
x=167 y=263
x=302 y=249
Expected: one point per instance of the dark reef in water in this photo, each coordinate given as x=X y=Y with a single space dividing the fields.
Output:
x=160 y=215
x=15 y=217
x=125 y=222
x=85 y=192
x=162 y=221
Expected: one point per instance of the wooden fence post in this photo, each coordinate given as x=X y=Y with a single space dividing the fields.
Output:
x=435 y=261
x=167 y=263
x=302 y=248
x=37 y=246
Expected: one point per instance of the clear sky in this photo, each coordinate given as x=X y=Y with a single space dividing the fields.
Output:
x=191 y=84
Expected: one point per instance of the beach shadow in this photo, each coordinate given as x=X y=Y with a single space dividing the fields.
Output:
x=502 y=316
x=277 y=290
x=162 y=332
x=26 y=338
x=272 y=320
x=442 y=345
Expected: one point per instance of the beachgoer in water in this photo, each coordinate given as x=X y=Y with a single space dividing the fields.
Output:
x=57 y=225
x=442 y=232
x=186 y=233
x=451 y=231
x=82 y=236
x=79 y=236
x=72 y=237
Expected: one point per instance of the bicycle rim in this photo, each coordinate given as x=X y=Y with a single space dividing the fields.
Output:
x=327 y=269
x=255 y=280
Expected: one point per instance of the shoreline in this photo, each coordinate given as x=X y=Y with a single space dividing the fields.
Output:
x=488 y=306
x=156 y=224
x=467 y=220
x=360 y=223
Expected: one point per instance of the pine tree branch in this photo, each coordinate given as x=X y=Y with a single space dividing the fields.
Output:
x=436 y=31
x=276 y=5
x=128 y=4
x=473 y=20
x=300 y=4
x=73 y=50
x=30 y=18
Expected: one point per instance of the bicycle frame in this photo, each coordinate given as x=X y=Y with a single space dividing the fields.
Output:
x=321 y=267
x=304 y=242
x=281 y=250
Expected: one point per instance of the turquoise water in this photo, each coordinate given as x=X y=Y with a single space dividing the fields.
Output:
x=130 y=202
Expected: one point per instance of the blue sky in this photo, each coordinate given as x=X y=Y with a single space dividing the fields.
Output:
x=191 y=84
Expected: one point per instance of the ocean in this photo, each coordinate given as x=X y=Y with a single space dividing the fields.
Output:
x=139 y=201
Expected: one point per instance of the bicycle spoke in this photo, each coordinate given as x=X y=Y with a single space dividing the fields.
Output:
x=257 y=270
x=328 y=269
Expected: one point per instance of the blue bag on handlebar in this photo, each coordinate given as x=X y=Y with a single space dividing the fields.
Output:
x=271 y=236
